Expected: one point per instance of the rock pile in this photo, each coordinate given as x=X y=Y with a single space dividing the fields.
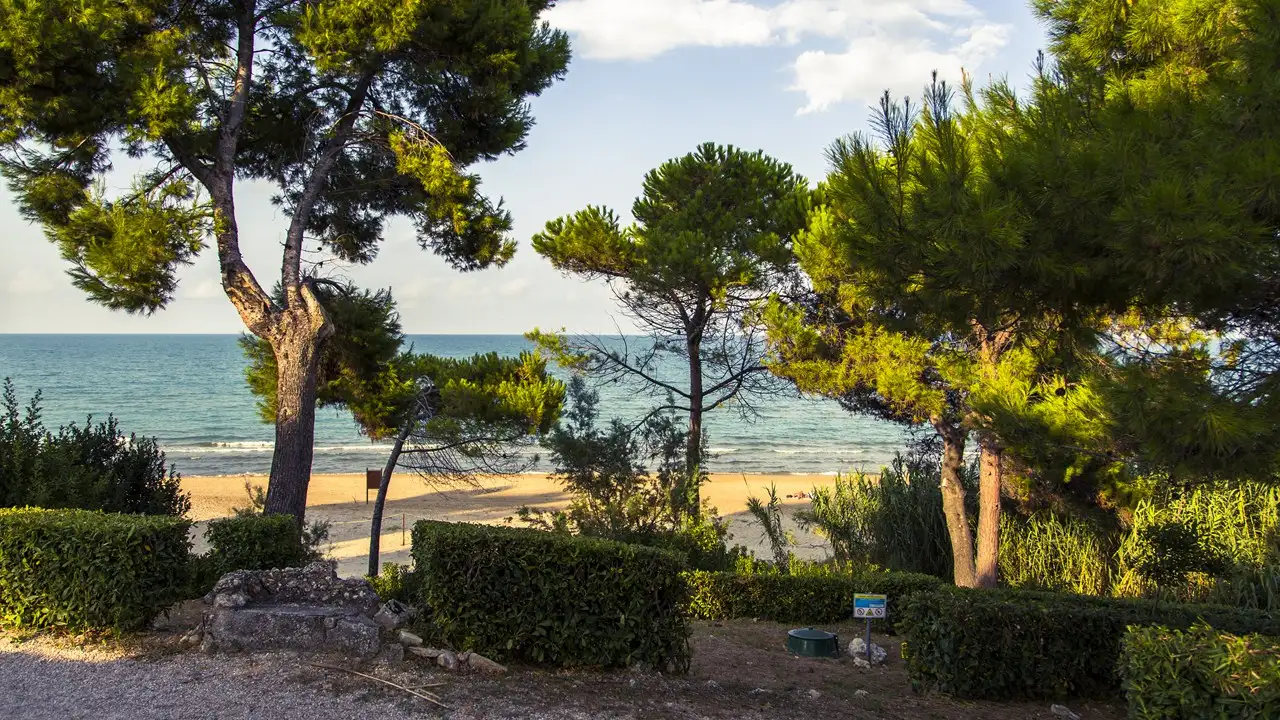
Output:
x=858 y=651
x=306 y=609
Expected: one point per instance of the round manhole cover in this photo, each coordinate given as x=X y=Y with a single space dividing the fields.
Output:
x=813 y=643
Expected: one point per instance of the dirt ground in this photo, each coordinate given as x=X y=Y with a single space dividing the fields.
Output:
x=740 y=669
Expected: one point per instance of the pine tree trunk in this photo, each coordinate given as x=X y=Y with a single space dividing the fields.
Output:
x=375 y=529
x=692 y=495
x=297 y=342
x=989 y=481
x=953 y=506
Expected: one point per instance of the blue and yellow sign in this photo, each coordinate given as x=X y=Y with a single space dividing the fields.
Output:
x=870 y=606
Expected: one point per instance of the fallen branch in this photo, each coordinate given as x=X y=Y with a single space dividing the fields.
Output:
x=429 y=697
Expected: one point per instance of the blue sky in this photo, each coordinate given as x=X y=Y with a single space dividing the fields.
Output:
x=650 y=80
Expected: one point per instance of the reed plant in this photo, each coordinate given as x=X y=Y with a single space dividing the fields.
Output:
x=1047 y=552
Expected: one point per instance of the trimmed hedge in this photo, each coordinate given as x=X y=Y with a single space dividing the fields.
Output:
x=81 y=569
x=799 y=598
x=1001 y=644
x=522 y=594
x=1200 y=674
x=255 y=542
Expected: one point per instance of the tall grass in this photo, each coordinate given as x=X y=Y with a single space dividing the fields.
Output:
x=1051 y=553
x=893 y=520
x=1239 y=524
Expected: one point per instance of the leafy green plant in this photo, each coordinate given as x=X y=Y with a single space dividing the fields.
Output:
x=1200 y=674
x=254 y=542
x=1001 y=644
x=313 y=534
x=893 y=520
x=79 y=570
x=616 y=496
x=518 y=593
x=396 y=582
x=812 y=598
x=768 y=515
x=94 y=467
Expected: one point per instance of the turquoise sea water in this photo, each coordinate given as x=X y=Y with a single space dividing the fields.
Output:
x=189 y=392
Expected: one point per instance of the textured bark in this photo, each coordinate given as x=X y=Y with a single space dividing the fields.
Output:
x=989 y=481
x=953 y=508
x=375 y=527
x=692 y=495
x=298 y=340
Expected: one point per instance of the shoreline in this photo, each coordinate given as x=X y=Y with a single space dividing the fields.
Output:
x=339 y=499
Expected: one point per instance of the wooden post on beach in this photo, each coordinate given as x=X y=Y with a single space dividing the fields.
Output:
x=402 y=521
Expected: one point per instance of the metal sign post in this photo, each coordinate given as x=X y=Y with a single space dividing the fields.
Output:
x=870 y=606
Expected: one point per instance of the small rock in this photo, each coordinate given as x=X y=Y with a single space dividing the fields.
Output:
x=394 y=614
x=860 y=693
x=391 y=654
x=1063 y=712
x=758 y=691
x=408 y=638
x=713 y=685
x=463 y=657
x=191 y=639
x=480 y=663
x=814 y=694
x=858 y=651
x=425 y=652
x=447 y=660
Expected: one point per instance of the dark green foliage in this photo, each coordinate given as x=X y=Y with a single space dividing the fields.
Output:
x=1001 y=644
x=1200 y=674
x=799 y=598
x=255 y=542
x=1174 y=550
x=80 y=570
x=397 y=582
x=522 y=594
x=94 y=467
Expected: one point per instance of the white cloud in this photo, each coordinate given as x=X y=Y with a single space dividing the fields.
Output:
x=891 y=44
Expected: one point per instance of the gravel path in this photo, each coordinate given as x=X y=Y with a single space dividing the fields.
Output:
x=39 y=680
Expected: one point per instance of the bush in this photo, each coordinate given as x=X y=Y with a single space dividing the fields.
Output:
x=999 y=644
x=1200 y=674
x=80 y=570
x=95 y=467
x=799 y=598
x=254 y=542
x=522 y=594
x=396 y=582
x=893 y=520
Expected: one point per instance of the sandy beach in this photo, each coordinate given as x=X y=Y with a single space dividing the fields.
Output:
x=340 y=499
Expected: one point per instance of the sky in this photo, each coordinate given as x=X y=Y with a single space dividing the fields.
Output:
x=650 y=80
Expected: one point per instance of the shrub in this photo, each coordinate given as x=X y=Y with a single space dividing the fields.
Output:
x=522 y=594
x=397 y=582
x=254 y=542
x=79 y=570
x=798 y=598
x=95 y=467
x=1200 y=674
x=893 y=520
x=998 y=644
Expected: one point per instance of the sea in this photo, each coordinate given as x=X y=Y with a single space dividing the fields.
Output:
x=189 y=392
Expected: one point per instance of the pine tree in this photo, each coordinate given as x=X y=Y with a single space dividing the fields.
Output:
x=712 y=239
x=356 y=112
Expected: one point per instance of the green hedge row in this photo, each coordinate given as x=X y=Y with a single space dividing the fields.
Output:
x=1001 y=644
x=247 y=542
x=80 y=569
x=799 y=598
x=1200 y=674
x=545 y=597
